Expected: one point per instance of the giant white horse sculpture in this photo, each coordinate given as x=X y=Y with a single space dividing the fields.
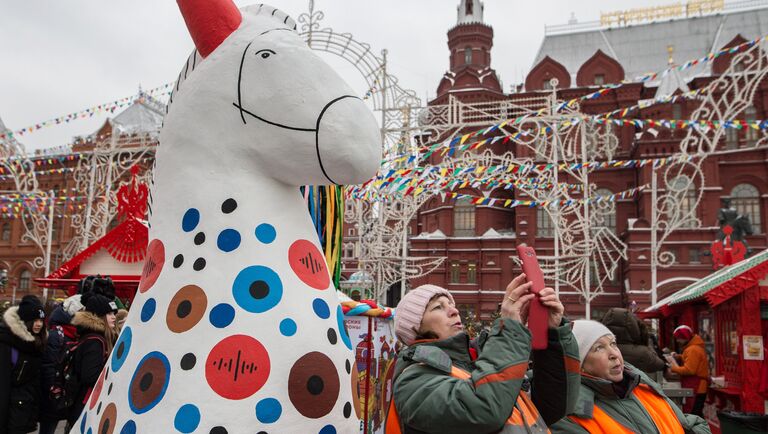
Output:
x=236 y=327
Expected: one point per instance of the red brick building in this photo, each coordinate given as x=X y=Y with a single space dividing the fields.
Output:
x=479 y=241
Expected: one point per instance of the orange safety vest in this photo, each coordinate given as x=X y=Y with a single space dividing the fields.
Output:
x=525 y=418
x=657 y=407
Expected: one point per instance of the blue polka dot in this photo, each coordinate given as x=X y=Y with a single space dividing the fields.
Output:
x=190 y=220
x=265 y=233
x=229 y=240
x=328 y=429
x=90 y=431
x=321 y=308
x=342 y=328
x=288 y=327
x=82 y=423
x=121 y=349
x=268 y=410
x=148 y=310
x=257 y=289
x=222 y=315
x=163 y=376
x=187 y=418
x=129 y=428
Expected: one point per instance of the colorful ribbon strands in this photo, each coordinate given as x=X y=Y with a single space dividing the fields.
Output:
x=366 y=308
x=87 y=113
x=326 y=207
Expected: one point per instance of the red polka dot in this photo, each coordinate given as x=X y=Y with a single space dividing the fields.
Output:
x=97 y=390
x=309 y=264
x=153 y=265
x=237 y=367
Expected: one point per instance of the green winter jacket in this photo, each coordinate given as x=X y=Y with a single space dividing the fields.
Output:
x=429 y=400
x=623 y=407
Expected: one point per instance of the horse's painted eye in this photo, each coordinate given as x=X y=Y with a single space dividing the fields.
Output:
x=265 y=55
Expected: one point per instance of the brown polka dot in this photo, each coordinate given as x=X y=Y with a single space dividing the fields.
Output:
x=356 y=402
x=186 y=309
x=108 y=419
x=148 y=383
x=313 y=385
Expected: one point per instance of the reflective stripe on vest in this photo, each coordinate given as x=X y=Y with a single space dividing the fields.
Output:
x=657 y=407
x=525 y=418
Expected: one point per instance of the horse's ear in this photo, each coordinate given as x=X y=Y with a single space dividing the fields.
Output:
x=210 y=22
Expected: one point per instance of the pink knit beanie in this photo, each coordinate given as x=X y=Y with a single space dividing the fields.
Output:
x=411 y=309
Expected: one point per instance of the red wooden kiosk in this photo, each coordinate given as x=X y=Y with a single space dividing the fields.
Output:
x=729 y=310
x=119 y=253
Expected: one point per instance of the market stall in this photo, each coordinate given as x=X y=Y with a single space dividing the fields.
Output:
x=119 y=253
x=729 y=310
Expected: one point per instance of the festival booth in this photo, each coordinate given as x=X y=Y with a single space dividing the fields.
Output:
x=119 y=254
x=729 y=310
x=372 y=332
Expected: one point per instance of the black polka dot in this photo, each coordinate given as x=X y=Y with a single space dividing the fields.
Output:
x=315 y=385
x=199 y=239
x=199 y=264
x=98 y=409
x=347 y=410
x=332 y=337
x=188 y=361
x=105 y=428
x=228 y=206
x=349 y=368
x=262 y=432
x=109 y=390
x=178 y=260
x=218 y=430
x=145 y=382
x=106 y=374
x=259 y=289
x=183 y=309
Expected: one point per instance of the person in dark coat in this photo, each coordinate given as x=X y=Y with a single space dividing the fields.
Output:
x=60 y=333
x=633 y=340
x=96 y=328
x=22 y=342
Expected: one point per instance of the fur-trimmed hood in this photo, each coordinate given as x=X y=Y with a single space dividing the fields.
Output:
x=16 y=325
x=88 y=321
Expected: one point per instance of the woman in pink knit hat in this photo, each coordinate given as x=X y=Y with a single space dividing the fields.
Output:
x=441 y=386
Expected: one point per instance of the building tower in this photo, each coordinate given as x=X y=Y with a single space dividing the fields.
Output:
x=470 y=43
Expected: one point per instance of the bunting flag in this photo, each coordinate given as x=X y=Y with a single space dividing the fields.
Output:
x=87 y=113
x=58 y=171
x=513 y=203
x=432 y=179
x=653 y=76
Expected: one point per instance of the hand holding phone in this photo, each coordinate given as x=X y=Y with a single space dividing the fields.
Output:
x=538 y=315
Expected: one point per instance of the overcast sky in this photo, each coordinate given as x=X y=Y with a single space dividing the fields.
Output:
x=59 y=57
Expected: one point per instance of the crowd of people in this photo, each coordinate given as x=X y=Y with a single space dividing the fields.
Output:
x=50 y=362
x=593 y=377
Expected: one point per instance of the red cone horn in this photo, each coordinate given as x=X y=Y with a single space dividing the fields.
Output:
x=210 y=22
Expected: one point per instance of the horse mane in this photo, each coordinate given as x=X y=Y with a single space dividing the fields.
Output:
x=195 y=58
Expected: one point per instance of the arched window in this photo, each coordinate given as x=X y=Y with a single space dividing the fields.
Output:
x=687 y=200
x=5 y=234
x=750 y=114
x=463 y=218
x=746 y=199
x=544 y=225
x=467 y=55
x=349 y=250
x=468 y=9
x=606 y=209
x=25 y=278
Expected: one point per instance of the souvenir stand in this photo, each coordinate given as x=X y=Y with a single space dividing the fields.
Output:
x=372 y=332
x=119 y=253
x=729 y=309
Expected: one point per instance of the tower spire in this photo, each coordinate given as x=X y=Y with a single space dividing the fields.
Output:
x=470 y=11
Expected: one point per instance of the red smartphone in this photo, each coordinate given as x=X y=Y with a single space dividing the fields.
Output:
x=538 y=315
